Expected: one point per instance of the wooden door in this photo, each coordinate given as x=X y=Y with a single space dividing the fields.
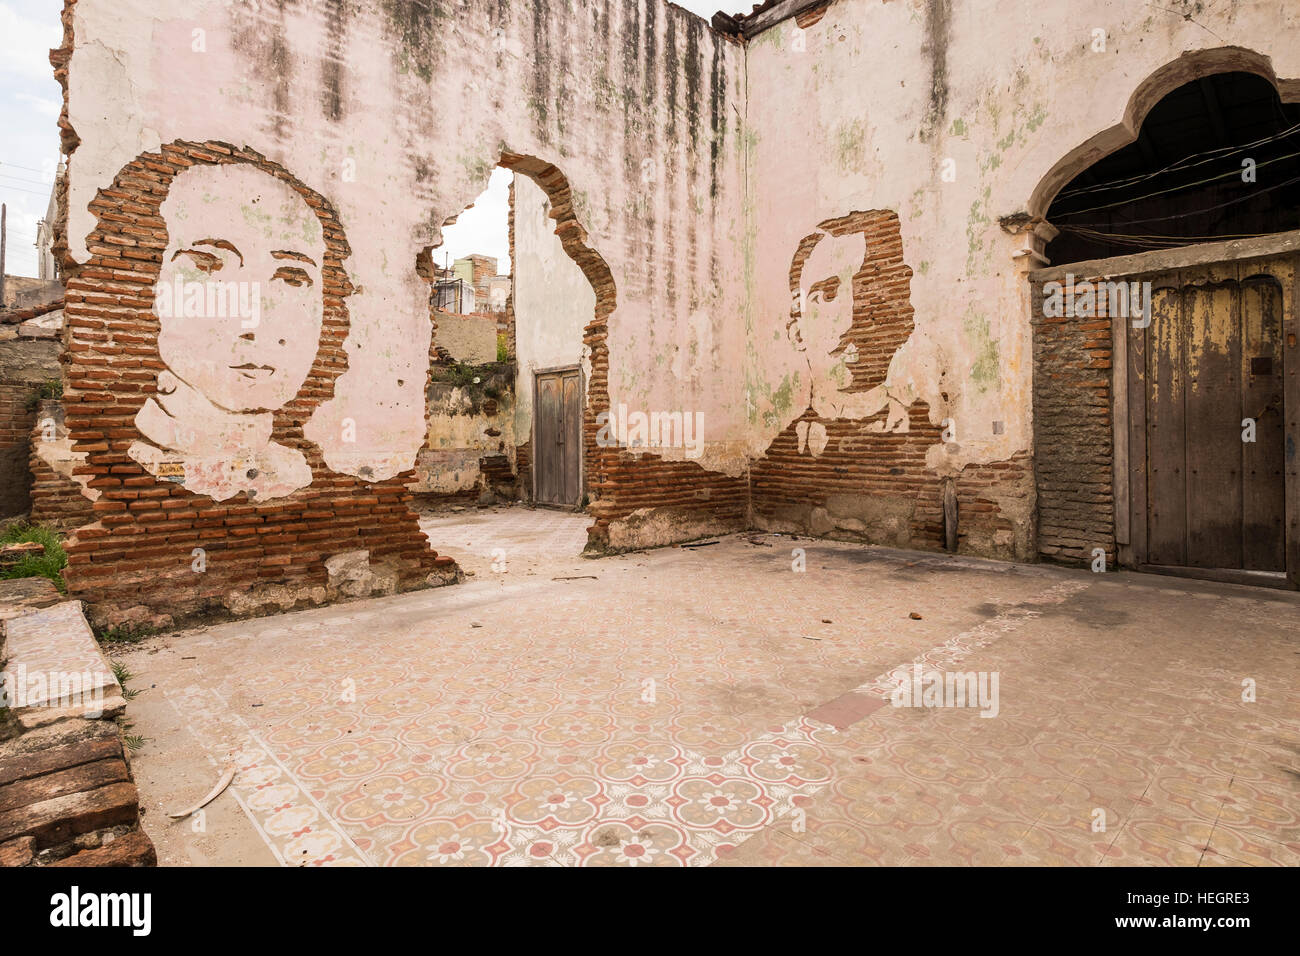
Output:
x=557 y=412
x=1210 y=370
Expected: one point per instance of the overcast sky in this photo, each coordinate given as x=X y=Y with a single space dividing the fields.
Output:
x=29 y=150
x=29 y=114
x=483 y=228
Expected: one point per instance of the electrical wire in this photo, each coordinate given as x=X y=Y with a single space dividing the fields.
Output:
x=1211 y=155
x=34 y=182
x=1173 y=189
x=30 y=169
x=34 y=192
x=1159 y=242
x=1194 y=212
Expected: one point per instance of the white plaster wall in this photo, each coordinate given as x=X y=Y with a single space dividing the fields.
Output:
x=554 y=302
x=851 y=122
x=696 y=166
x=352 y=99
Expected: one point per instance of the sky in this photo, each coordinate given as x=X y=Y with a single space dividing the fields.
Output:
x=483 y=228
x=29 y=149
x=29 y=113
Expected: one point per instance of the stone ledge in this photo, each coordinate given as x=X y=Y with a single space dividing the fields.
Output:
x=24 y=758
x=61 y=783
x=66 y=793
x=59 y=819
x=54 y=663
x=21 y=595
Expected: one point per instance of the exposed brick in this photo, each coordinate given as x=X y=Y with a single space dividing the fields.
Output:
x=147 y=529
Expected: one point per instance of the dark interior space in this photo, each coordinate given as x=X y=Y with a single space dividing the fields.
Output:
x=1183 y=180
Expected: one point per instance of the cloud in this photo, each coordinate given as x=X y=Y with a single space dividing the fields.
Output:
x=44 y=104
x=28 y=38
x=484 y=227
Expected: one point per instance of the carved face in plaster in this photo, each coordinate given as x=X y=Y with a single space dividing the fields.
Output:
x=240 y=309
x=826 y=308
x=239 y=295
x=826 y=280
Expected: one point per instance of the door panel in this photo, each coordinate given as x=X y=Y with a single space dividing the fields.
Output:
x=1212 y=418
x=1165 y=440
x=557 y=461
x=548 y=480
x=572 y=445
x=1211 y=358
x=1263 y=465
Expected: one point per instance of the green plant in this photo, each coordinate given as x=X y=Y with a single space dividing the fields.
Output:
x=503 y=349
x=50 y=388
x=457 y=374
x=124 y=633
x=124 y=676
x=49 y=564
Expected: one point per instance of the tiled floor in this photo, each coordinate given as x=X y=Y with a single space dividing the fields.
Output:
x=691 y=707
x=511 y=540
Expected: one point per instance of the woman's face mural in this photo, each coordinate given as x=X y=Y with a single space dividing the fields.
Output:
x=240 y=307
x=239 y=295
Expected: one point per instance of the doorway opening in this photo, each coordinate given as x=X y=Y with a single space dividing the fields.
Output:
x=1218 y=158
x=518 y=368
x=557 y=436
x=1186 y=243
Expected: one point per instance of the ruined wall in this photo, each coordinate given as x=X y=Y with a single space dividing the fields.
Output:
x=962 y=126
x=553 y=304
x=469 y=453
x=214 y=498
x=29 y=360
x=471 y=338
x=817 y=243
x=322 y=133
x=60 y=496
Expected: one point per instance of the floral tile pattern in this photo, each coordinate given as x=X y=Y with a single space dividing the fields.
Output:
x=658 y=715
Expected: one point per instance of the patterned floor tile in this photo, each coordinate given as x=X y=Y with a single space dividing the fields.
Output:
x=672 y=712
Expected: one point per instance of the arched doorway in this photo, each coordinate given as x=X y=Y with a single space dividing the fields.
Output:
x=1175 y=267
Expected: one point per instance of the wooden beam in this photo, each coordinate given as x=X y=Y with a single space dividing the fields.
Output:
x=756 y=23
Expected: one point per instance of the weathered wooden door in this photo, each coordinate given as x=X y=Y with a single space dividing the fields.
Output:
x=1207 y=410
x=557 y=411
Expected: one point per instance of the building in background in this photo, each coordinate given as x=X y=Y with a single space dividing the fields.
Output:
x=46 y=266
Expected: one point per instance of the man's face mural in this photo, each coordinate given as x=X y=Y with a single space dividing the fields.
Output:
x=826 y=295
x=239 y=299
